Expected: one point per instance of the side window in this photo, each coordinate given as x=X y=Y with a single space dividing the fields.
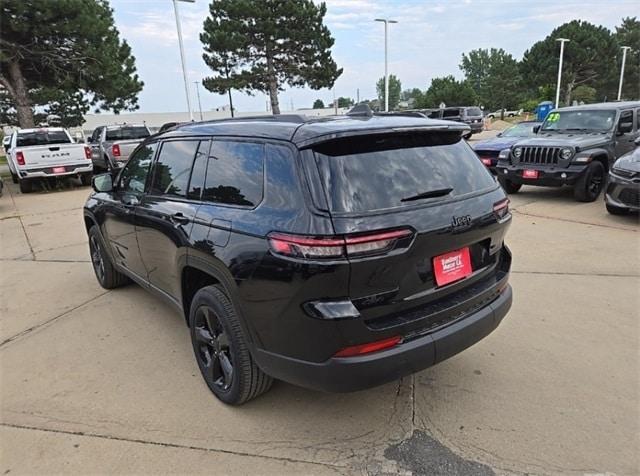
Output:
x=626 y=117
x=199 y=171
x=235 y=173
x=173 y=168
x=134 y=176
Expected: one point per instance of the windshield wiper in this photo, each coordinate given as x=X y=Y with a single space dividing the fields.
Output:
x=431 y=194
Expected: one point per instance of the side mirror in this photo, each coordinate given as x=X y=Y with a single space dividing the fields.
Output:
x=89 y=140
x=536 y=129
x=499 y=134
x=102 y=183
x=625 y=127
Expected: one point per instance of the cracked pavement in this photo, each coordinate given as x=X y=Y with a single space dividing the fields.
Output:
x=95 y=381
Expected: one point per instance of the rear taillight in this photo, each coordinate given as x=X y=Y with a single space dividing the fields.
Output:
x=501 y=209
x=362 y=349
x=486 y=162
x=87 y=152
x=336 y=247
x=115 y=149
x=20 y=158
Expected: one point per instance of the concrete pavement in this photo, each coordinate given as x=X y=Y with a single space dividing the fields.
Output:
x=95 y=381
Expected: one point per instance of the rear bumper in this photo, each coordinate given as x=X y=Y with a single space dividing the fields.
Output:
x=622 y=192
x=357 y=373
x=547 y=176
x=73 y=169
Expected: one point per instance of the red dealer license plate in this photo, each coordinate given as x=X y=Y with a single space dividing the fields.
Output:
x=59 y=170
x=452 y=266
x=532 y=174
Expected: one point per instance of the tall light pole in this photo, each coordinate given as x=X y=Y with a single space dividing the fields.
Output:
x=562 y=42
x=197 y=83
x=184 y=66
x=386 y=73
x=624 y=60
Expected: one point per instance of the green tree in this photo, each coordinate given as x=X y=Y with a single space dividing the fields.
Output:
x=263 y=45
x=628 y=34
x=318 y=104
x=449 y=91
x=589 y=59
x=395 y=87
x=585 y=94
x=67 y=54
x=495 y=77
x=345 y=102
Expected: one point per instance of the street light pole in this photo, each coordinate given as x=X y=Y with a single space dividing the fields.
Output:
x=184 y=66
x=198 y=94
x=386 y=72
x=562 y=42
x=624 y=59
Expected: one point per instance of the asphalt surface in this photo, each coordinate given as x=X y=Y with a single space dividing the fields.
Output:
x=96 y=381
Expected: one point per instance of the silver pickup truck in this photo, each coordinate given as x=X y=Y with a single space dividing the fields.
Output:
x=112 y=145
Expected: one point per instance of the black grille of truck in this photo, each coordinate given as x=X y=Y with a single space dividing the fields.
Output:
x=540 y=155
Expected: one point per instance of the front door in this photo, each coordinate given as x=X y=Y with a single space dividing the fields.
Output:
x=120 y=217
x=625 y=138
x=165 y=216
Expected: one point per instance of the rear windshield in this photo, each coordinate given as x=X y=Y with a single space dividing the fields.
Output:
x=127 y=133
x=474 y=111
x=451 y=113
x=377 y=172
x=27 y=139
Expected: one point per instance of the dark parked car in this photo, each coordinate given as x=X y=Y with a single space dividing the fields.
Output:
x=623 y=187
x=469 y=115
x=489 y=149
x=332 y=253
x=575 y=146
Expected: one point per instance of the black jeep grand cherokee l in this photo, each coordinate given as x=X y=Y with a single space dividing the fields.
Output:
x=333 y=253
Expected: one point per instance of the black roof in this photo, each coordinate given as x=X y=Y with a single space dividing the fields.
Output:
x=606 y=106
x=304 y=131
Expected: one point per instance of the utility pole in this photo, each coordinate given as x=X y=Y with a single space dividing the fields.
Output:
x=386 y=55
x=184 y=65
x=358 y=96
x=198 y=94
x=624 y=60
x=562 y=42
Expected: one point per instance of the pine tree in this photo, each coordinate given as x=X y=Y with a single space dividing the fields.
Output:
x=67 y=54
x=263 y=45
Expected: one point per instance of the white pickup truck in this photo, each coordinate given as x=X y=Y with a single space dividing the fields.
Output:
x=47 y=152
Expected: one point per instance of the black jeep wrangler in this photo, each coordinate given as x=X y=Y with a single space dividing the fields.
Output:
x=333 y=253
x=574 y=146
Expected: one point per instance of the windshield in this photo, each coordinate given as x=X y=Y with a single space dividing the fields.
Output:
x=379 y=172
x=451 y=112
x=519 y=130
x=474 y=111
x=44 y=137
x=579 y=121
x=126 y=133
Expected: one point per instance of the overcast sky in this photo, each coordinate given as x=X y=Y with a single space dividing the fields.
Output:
x=427 y=42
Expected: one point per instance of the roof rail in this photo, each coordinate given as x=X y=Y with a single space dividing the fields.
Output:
x=402 y=113
x=362 y=110
x=293 y=118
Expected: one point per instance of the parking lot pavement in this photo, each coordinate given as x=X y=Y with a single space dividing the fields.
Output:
x=96 y=381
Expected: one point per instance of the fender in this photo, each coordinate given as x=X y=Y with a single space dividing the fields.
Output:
x=218 y=270
x=595 y=152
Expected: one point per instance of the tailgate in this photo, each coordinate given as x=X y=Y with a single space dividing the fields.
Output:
x=54 y=154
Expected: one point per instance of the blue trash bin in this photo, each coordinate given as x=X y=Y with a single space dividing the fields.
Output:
x=543 y=109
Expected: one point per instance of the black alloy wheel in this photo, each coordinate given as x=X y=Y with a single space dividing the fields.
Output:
x=213 y=349
x=96 y=257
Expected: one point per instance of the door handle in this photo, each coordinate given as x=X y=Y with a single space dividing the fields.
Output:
x=179 y=218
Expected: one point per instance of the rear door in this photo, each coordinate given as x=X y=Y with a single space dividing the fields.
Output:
x=165 y=216
x=431 y=184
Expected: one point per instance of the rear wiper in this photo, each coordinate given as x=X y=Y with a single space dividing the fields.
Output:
x=432 y=194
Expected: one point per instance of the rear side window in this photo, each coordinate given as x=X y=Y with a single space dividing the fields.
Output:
x=377 y=172
x=235 y=173
x=173 y=168
x=27 y=139
x=474 y=111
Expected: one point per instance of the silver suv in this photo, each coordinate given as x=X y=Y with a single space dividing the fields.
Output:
x=112 y=145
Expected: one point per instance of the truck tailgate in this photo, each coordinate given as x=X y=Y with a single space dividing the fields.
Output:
x=54 y=154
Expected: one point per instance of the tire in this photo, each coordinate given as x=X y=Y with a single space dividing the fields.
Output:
x=14 y=178
x=509 y=186
x=86 y=178
x=616 y=210
x=106 y=274
x=221 y=350
x=510 y=115
x=590 y=184
x=26 y=186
